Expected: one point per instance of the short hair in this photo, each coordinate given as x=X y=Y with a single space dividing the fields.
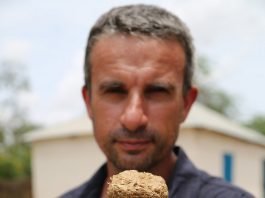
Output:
x=143 y=20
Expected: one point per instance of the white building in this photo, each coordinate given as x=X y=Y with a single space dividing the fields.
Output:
x=66 y=155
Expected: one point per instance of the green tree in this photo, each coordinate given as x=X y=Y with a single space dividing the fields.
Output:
x=13 y=82
x=257 y=123
x=15 y=162
x=209 y=94
x=217 y=99
x=14 y=153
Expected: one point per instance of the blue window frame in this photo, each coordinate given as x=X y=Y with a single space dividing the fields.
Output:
x=228 y=167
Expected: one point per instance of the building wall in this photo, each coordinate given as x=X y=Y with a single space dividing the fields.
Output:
x=206 y=149
x=61 y=164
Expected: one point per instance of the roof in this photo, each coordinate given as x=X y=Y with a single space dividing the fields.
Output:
x=206 y=118
x=199 y=117
x=72 y=128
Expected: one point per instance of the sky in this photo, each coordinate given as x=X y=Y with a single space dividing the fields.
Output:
x=49 y=38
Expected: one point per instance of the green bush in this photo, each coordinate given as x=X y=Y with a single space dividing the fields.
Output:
x=15 y=162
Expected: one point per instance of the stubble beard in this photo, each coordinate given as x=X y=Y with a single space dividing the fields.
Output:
x=141 y=161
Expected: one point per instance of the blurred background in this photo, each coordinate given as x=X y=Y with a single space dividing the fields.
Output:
x=41 y=63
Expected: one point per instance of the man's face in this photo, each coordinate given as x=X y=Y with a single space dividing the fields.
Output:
x=136 y=102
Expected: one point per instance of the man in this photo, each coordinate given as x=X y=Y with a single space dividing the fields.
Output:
x=138 y=72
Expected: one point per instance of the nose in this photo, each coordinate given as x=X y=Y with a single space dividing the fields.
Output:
x=133 y=116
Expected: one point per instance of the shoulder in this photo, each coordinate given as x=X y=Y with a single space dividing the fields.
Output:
x=218 y=188
x=188 y=181
x=76 y=192
x=202 y=185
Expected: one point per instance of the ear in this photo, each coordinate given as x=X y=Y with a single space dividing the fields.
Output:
x=188 y=102
x=87 y=100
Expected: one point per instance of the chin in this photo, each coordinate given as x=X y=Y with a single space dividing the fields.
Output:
x=133 y=162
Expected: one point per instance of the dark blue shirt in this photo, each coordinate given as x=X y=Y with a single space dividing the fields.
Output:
x=186 y=182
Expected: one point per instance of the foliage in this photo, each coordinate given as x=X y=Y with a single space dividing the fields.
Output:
x=209 y=94
x=14 y=154
x=13 y=82
x=217 y=99
x=1 y=134
x=15 y=158
x=257 y=123
x=15 y=162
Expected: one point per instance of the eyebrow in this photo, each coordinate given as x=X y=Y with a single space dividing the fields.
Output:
x=110 y=85
x=161 y=85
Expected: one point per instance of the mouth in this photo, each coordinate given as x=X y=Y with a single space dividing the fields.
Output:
x=133 y=145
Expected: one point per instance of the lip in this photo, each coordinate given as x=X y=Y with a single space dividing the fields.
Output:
x=133 y=145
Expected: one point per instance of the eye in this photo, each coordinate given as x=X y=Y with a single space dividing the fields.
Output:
x=114 y=94
x=112 y=88
x=115 y=90
x=159 y=92
x=157 y=89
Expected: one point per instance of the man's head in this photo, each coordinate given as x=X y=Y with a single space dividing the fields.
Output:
x=142 y=20
x=138 y=68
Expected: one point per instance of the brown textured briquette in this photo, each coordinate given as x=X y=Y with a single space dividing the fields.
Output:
x=134 y=184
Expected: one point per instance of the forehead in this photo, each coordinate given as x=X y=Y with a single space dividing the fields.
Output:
x=123 y=52
x=120 y=45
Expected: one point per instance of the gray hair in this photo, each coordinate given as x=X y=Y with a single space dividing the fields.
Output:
x=143 y=20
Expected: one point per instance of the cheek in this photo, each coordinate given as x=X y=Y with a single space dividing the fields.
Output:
x=105 y=117
x=102 y=129
x=165 y=113
x=107 y=113
x=166 y=119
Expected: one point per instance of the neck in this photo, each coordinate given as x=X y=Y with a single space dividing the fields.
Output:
x=165 y=167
